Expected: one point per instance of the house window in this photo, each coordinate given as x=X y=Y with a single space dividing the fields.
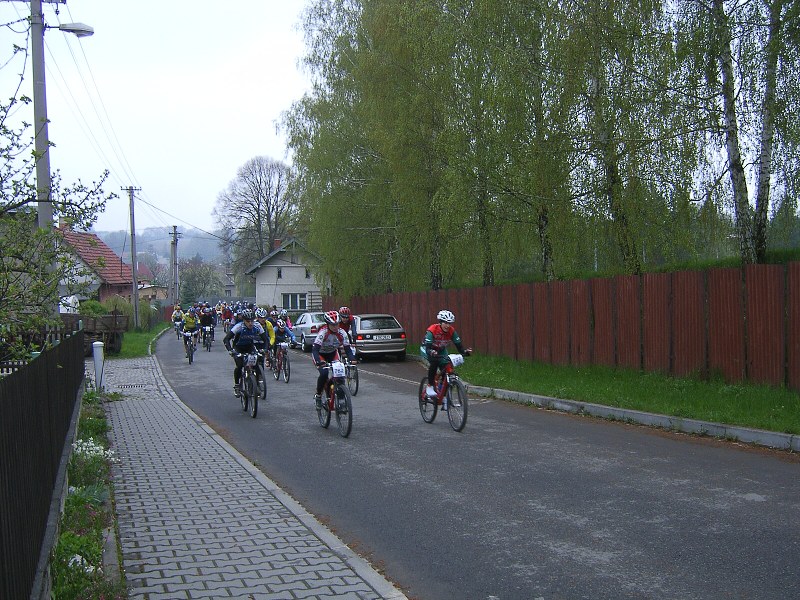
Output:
x=308 y=274
x=280 y=273
x=228 y=293
x=294 y=301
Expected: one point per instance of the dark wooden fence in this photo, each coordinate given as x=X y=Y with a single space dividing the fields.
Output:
x=742 y=324
x=38 y=411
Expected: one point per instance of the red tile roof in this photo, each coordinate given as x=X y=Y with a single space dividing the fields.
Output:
x=94 y=252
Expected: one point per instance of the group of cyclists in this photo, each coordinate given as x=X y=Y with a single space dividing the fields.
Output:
x=249 y=327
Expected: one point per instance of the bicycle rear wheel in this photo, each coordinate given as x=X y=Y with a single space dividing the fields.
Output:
x=252 y=391
x=457 y=405
x=344 y=410
x=427 y=406
x=287 y=369
x=352 y=379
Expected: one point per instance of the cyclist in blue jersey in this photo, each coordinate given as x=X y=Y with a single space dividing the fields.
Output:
x=243 y=338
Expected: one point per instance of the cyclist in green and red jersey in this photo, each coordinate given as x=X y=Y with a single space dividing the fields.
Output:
x=437 y=338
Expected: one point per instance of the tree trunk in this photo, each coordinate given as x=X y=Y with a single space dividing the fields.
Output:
x=542 y=223
x=741 y=200
x=485 y=234
x=767 y=132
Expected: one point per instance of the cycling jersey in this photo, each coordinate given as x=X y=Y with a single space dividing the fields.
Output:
x=328 y=342
x=190 y=321
x=244 y=339
x=177 y=315
x=282 y=336
x=437 y=339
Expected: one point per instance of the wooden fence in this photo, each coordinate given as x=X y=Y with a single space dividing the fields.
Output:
x=740 y=323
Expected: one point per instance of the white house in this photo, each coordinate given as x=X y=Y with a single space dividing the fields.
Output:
x=284 y=278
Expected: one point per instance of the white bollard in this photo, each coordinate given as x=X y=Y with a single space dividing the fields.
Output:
x=97 y=353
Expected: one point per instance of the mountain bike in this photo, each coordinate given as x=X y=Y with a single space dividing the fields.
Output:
x=336 y=399
x=190 y=343
x=281 y=363
x=208 y=337
x=253 y=384
x=177 y=325
x=451 y=395
x=351 y=368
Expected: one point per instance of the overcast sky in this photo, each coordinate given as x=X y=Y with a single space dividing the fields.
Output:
x=169 y=96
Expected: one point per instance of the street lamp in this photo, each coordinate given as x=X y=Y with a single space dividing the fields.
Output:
x=42 y=140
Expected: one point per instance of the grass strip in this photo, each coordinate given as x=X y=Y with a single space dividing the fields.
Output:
x=747 y=405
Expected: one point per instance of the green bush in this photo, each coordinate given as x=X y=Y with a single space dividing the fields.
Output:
x=92 y=308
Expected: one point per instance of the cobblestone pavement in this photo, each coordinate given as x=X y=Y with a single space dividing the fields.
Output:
x=197 y=520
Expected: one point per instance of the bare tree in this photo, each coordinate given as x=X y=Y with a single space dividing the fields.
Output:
x=255 y=210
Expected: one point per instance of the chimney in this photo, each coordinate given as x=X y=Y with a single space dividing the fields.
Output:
x=276 y=244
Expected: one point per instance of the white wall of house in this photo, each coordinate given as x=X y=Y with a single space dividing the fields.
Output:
x=88 y=280
x=286 y=282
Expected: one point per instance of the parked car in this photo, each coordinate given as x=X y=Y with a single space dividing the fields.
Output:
x=379 y=334
x=306 y=328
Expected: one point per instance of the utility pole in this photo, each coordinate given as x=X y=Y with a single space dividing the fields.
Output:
x=135 y=295
x=173 y=255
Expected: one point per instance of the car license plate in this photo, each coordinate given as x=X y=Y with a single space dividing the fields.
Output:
x=382 y=337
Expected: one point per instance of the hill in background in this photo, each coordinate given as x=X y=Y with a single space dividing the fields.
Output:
x=156 y=241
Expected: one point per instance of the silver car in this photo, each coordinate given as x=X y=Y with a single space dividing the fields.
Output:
x=306 y=328
x=379 y=334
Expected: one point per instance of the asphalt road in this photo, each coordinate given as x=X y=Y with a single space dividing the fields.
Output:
x=524 y=503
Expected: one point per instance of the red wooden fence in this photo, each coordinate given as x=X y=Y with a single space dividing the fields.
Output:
x=740 y=324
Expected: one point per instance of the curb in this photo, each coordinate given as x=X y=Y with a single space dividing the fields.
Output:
x=758 y=437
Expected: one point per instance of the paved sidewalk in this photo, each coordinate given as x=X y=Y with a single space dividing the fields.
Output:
x=197 y=520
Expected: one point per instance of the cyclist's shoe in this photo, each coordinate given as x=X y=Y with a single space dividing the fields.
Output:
x=317 y=401
x=237 y=390
x=430 y=392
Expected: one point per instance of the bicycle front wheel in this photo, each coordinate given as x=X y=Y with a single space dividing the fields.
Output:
x=344 y=410
x=190 y=352
x=275 y=366
x=457 y=405
x=252 y=391
x=287 y=369
x=352 y=379
x=427 y=406
x=244 y=396
x=324 y=413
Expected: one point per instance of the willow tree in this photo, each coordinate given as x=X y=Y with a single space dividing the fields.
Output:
x=406 y=71
x=342 y=179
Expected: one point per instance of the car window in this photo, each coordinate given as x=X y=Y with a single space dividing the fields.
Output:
x=379 y=323
x=317 y=318
x=301 y=320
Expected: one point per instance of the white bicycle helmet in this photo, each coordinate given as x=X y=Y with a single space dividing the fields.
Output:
x=446 y=316
x=261 y=313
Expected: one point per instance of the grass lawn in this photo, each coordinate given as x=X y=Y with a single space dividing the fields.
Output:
x=747 y=405
x=135 y=343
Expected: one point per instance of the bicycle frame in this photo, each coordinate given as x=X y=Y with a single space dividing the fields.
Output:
x=451 y=395
x=342 y=406
x=336 y=374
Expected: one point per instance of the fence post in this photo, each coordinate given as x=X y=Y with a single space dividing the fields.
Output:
x=97 y=353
